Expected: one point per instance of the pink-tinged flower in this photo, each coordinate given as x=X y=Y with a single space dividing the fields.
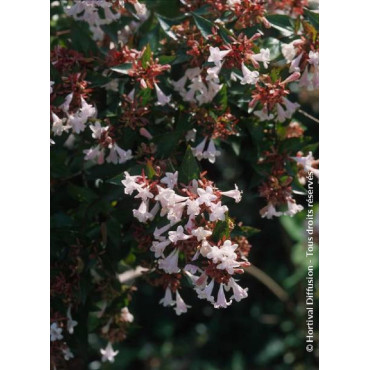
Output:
x=142 y=213
x=307 y=162
x=144 y=193
x=95 y=154
x=201 y=233
x=161 y=97
x=67 y=101
x=58 y=126
x=221 y=299
x=130 y=183
x=263 y=56
x=118 y=156
x=294 y=66
x=206 y=293
x=108 y=354
x=249 y=77
x=170 y=179
x=126 y=315
x=180 y=307
x=290 y=107
x=313 y=58
x=235 y=194
x=144 y=132
x=167 y=299
x=288 y=51
x=293 y=208
x=211 y=153
x=170 y=263
x=179 y=85
x=177 y=235
x=217 y=212
x=270 y=211
x=206 y=196
x=198 y=150
x=97 y=130
x=159 y=247
x=158 y=232
x=193 y=208
x=263 y=115
x=217 y=55
x=239 y=292
x=282 y=115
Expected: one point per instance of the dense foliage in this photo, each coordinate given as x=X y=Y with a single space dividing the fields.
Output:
x=182 y=133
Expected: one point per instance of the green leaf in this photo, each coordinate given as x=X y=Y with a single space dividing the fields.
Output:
x=221 y=229
x=122 y=68
x=312 y=17
x=282 y=23
x=204 y=25
x=166 y=25
x=189 y=168
x=246 y=231
x=145 y=59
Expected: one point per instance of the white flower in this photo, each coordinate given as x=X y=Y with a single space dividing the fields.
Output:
x=232 y=3
x=170 y=263
x=212 y=73
x=218 y=212
x=130 y=183
x=177 y=235
x=108 y=354
x=306 y=162
x=206 y=293
x=159 y=247
x=270 y=211
x=142 y=213
x=201 y=233
x=144 y=192
x=227 y=250
x=58 y=126
x=221 y=299
x=180 y=307
x=76 y=122
x=205 y=248
x=313 y=58
x=192 y=73
x=162 y=98
x=51 y=86
x=67 y=353
x=67 y=102
x=95 y=154
x=170 y=179
x=167 y=299
x=216 y=55
x=282 y=115
x=158 y=232
x=126 y=315
x=239 y=292
x=235 y=194
x=179 y=85
x=86 y=111
x=55 y=332
x=263 y=56
x=206 y=196
x=190 y=135
x=70 y=322
x=193 y=208
x=97 y=130
x=263 y=115
x=294 y=66
x=289 y=51
x=293 y=208
x=249 y=77
x=118 y=156
x=198 y=150
x=211 y=153
x=290 y=107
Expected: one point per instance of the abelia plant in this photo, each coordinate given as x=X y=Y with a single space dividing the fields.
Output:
x=143 y=109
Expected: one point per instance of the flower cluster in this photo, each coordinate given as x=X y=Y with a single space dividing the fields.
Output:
x=198 y=209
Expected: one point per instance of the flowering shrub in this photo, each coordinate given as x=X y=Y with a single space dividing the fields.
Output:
x=143 y=109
